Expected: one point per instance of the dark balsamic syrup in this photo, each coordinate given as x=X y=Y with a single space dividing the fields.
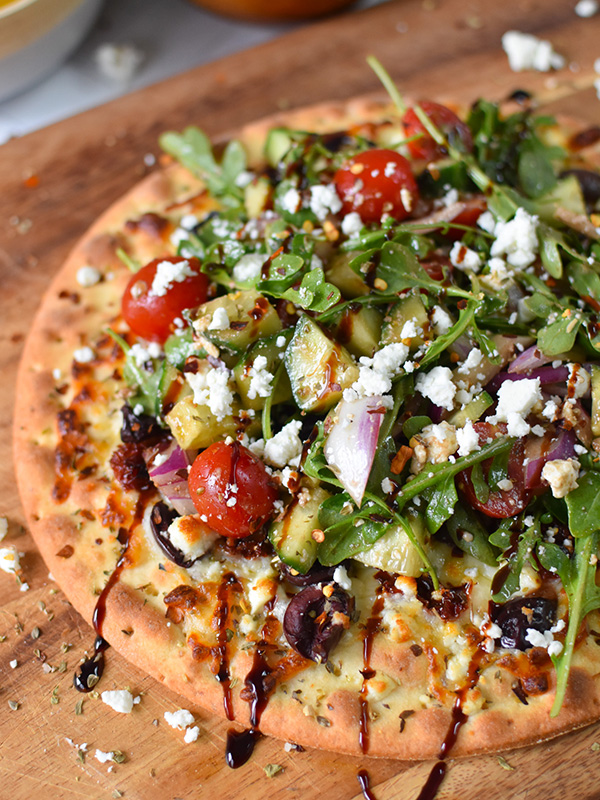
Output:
x=229 y=582
x=90 y=672
x=240 y=744
x=363 y=779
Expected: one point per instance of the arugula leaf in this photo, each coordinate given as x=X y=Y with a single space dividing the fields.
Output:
x=464 y=520
x=527 y=542
x=441 y=504
x=193 y=149
x=559 y=336
x=145 y=382
x=583 y=505
x=314 y=293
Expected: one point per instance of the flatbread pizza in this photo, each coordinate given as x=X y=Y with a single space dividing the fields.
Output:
x=307 y=428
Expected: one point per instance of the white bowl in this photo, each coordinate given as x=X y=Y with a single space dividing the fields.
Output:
x=37 y=35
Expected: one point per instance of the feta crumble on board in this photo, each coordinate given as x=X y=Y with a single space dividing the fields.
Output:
x=119 y=62
x=526 y=51
x=120 y=700
x=9 y=559
x=180 y=719
x=191 y=734
x=587 y=8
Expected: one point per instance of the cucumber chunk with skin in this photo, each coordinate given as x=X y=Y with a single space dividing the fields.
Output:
x=472 y=411
x=273 y=353
x=277 y=144
x=250 y=317
x=359 y=330
x=409 y=309
x=319 y=369
x=292 y=536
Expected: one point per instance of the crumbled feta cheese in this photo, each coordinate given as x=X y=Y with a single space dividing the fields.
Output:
x=467 y=438
x=486 y=222
x=586 y=8
x=248 y=267
x=499 y=273
x=119 y=62
x=220 y=320
x=410 y=330
x=464 y=258
x=88 y=276
x=9 y=559
x=324 y=199
x=211 y=388
x=505 y=485
x=582 y=380
x=13 y=664
x=120 y=700
x=517 y=399
x=441 y=321
x=180 y=719
x=191 y=734
x=291 y=200
x=3 y=527
x=551 y=410
x=517 y=239
x=387 y=486
x=191 y=537
x=352 y=224
x=375 y=374
x=437 y=386
x=472 y=361
x=260 y=379
x=341 y=577
x=103 y=757
x=285 y=448
x=526 y=51
x=167 y=273
x=83 y=355
x=562 y=475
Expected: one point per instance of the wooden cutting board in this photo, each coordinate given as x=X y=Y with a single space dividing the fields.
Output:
x=54 y=183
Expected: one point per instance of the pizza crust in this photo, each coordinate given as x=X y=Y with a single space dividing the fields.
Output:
x=63 y=324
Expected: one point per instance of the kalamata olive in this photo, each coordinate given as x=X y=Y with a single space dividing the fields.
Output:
x=520 y=614
x=161 y=517
x=449 y=601
x=313 y=623
x=316 y=574
x=589 y=182
x=140 y=428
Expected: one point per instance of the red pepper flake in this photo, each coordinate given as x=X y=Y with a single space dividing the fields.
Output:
x=32 y=181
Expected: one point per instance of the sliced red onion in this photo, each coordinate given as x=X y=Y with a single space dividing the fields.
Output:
x=352 y=441
x=545 y=374
x=546 y=448
x=529 y=359
x=170 y=476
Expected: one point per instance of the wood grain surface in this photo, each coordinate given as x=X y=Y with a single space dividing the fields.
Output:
x=445 y=49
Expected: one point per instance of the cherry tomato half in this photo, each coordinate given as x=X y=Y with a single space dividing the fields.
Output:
x=150 y=314
x=377 y=182
x=499 y=504
x=454 y=129
x=232 y=488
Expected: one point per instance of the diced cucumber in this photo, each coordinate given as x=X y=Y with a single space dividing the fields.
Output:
x=408 y=309
x=394 y=552
x=472 y=411
x=359 y=329
x=318 y=367
x=566 y=193
x=256 y=196
x=273 y=352
x=277 y=143
x=292 y=536
x=179 y=346
x=343 y=276
x=596 y=401
x=171 y=387
x=196 y=426
x=250 y=316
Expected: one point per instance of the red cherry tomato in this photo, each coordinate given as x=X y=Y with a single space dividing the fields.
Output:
x=499 y=504
x=377 y=182
x=454 y=129
x=150 y=314
x=231 y=486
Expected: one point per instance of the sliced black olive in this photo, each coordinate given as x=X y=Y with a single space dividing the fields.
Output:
x=161 y=517
x=316 y=574
x=140 y=428
x=313 y=623
x=520 y=614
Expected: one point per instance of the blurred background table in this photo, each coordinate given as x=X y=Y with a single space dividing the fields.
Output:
x=172 y=37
